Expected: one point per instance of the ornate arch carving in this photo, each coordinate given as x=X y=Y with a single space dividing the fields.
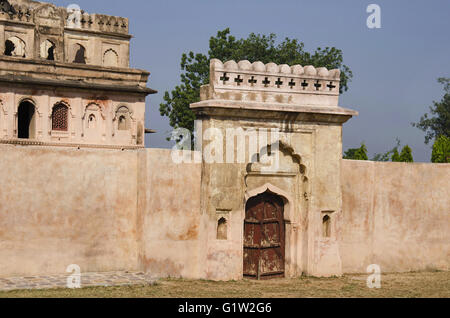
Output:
x=284 y=148
x=93 y=104
x=111 y=58
x=119 y=111
x=62 y=102
x=268 y=187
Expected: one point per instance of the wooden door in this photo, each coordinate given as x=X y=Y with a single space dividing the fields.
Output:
x=264 y=237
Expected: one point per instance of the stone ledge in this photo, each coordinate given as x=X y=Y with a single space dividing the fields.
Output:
x=275 y=107
x=24 y=142
x=46 y=70
x=24 y=80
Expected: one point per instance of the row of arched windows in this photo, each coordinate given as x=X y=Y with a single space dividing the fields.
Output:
x=15 y=46
x=60 y=119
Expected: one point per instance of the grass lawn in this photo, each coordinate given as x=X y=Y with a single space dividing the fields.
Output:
x=423 y=284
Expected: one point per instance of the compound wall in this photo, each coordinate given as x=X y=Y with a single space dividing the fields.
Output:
x=110 y=210
x=104 y=210
x=396 y=215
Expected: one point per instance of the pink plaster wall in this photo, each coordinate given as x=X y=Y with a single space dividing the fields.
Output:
x=173 y=237
x=108 y=210
x=396 y=215
x=65 y=206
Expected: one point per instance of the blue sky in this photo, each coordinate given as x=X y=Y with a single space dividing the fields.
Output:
x=395 y=68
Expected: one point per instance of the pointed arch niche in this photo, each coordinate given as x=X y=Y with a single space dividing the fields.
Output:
x=93 y=123
x=124 y=123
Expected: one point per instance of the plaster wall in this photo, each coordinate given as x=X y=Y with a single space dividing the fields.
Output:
x=63 y=206
x=396 y=215
x=108 y=210
x=172 y=235
x=104 y=210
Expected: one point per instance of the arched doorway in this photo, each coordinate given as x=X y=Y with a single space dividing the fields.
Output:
x=26 y=120
x=264 y=237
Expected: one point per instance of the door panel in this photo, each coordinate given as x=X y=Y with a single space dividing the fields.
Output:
x=264 y=237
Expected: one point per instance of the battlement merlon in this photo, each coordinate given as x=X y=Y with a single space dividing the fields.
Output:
x=272 y=87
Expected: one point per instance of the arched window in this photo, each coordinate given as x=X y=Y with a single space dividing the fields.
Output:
x=222 y=229
x=26 y=120
x=326 y=224
x=111 y=58
x=80 y=54
x=92 y=121
x=48 y=50
x=60 y=118
x=14 y=46
x=123 y=118
x=122 y=123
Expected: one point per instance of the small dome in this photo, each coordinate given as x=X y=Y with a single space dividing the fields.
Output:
x=285 y=69
x=231 y=65
x=272 y=68
x=216 y=63
x=245 y=65
x=259 y=67
x=310 y=70
x=335 y=73
x=323 y=72
x=297 y=70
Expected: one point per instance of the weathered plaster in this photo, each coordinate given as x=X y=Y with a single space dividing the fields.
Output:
x=395 y=215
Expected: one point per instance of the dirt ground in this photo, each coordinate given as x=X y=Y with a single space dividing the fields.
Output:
x=407 y=285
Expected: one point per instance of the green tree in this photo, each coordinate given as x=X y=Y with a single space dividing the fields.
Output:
x=395 y=156
x=357 y=153
x=225 y=47
x=441 y=150
x=438 y=123
x=406 y=154
x=387 y=155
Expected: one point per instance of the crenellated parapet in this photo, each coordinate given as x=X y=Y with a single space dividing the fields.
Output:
x=74 y=18
x=39 y=30
x=20 y=12
x=272 y=83
x=96 y=22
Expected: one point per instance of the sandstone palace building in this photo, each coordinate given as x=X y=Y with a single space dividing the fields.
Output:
x=65 y=78
x=78 y=186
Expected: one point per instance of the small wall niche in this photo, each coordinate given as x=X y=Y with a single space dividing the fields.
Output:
x=327 y=225
x=222 y=229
